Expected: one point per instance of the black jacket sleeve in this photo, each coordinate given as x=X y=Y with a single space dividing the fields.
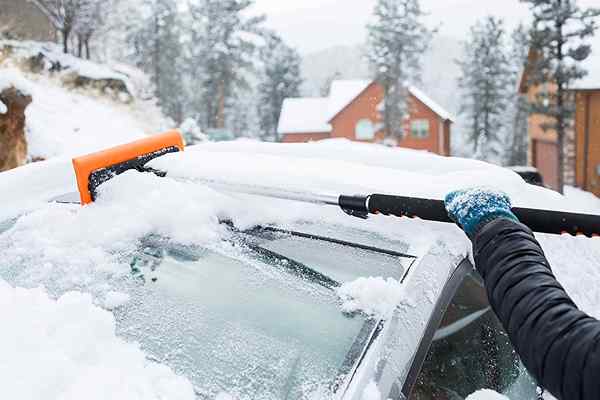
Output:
x=558 y=343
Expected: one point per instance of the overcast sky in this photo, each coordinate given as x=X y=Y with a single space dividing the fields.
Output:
x=312 y=25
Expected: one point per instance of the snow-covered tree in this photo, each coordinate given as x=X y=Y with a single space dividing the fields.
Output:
x=62 y=14
x=518 y=111
x=157 y=50
x=560 y=34
x=397 y=40
x=485 y=83
x=89 y=18
x=227 y=43
x=280 y=78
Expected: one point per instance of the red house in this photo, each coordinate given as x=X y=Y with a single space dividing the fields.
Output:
x=352 y=111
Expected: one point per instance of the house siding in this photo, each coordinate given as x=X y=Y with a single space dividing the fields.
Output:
x=587 y=143
x=304 y=137
x=365 y=107
x=543 y=152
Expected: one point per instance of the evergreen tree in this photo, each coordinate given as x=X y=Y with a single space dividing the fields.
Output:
x=518 y=112
x=396 y=42
x=227 y=52
x=559 y=34
x=280 y=78
x=485 y=84
x=157 y=50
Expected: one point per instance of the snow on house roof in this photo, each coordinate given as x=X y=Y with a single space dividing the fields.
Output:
x=342 y=93
x=304 y=115
x=429 y=102
x=313 y=115
x=592 y=66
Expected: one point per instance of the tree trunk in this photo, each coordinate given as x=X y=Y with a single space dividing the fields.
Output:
x=79 y=46
x=86 y=43
x=65 y=37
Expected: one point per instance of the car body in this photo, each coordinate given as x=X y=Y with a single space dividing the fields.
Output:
x=258 y=316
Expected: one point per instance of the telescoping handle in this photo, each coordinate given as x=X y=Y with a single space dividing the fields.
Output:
x=543 y=221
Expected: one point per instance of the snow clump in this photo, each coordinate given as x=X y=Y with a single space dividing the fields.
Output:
x=67 y=349
x=373 y=296
x=486 y=394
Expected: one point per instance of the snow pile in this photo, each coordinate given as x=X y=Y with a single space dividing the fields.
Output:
x=11 y=78
x=115 y=299
x=486 y=394
x=70 y=349
x=374 y=296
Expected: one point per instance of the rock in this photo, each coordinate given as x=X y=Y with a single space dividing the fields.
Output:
x=13 y=145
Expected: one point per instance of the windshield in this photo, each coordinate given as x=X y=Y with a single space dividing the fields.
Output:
x=256 y=317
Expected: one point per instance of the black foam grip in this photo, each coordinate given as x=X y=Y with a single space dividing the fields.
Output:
x=543 y=221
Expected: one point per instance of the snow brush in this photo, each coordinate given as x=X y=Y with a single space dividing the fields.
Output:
x=94 y=169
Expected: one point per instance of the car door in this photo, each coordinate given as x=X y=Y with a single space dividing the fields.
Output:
x=465 y=348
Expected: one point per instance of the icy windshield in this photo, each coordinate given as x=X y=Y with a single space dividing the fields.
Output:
x=256 y=318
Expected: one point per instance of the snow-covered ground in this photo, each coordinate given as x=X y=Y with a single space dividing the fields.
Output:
x=67 y=121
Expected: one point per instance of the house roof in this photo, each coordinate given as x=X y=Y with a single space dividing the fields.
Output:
x=589 y=82
x=592 y=79
x=342 y=93
x=304 y=115
x=313 y=115
x=429 y=102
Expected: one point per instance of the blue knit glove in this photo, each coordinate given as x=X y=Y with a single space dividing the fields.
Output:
x=473 y=208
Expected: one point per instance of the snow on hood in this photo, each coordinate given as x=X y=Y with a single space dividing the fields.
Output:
x=67 y=349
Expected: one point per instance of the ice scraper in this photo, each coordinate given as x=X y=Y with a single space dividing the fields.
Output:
x=94 y=169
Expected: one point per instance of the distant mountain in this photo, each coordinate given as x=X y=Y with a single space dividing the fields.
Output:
x=440 y=73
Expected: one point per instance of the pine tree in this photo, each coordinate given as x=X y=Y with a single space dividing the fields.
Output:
x=518 y=111
x=227 y=53
x=280 y=78
x=157 y=50
x=396 y=42
x=559 y=34
x=485 y=84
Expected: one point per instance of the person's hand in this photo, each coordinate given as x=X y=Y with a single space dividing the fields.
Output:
x=473 y=208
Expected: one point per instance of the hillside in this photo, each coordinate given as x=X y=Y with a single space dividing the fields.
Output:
x=77 y=106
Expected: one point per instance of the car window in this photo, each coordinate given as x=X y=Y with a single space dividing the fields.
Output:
x=471 y=351
x=253 y=324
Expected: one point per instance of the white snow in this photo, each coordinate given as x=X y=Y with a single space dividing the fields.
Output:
x=67 y=349
x=115 y=299
x=304 y=115
x=3 y=108
x=592 y=66
x=374 y=296
x=371 y=392
x=11 y=77
x=342 y=93
x=486 y=394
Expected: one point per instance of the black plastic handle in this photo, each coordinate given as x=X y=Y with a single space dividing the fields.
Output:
x=543 y=221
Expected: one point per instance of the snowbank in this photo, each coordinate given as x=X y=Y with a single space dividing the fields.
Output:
x=67 y=349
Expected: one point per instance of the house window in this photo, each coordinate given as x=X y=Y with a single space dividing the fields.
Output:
x=419 y=128
x=365 y=130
